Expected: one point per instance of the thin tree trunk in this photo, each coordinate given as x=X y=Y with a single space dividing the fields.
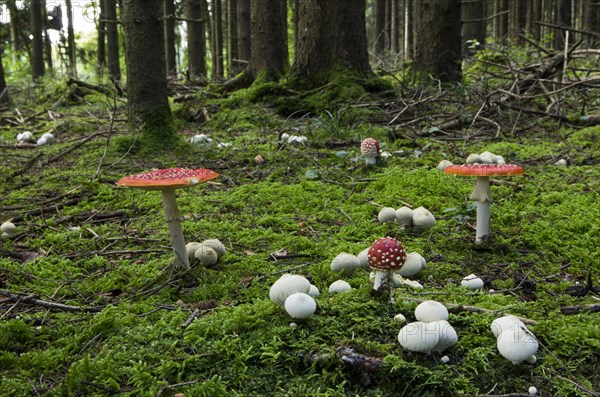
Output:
x=112 y=36
x=101 y=40
x=536 y=17
x=12 y=11
x=396 y=18
x=564 y=19
x=169 y=35
x=232 y=55
x=409 y=29
x=473 y=26
x=217 y=74
x=379 y=23
x=243 y=25
x=519 y=20
x=268 y=46
x=47 y=41
x=501 y=21
x=196 y=40
x=592 y=22
x=72 y=70
x=37 y=42
x=3 y=87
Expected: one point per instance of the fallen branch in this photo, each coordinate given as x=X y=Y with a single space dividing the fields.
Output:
x=576 y=309
x=32 y=300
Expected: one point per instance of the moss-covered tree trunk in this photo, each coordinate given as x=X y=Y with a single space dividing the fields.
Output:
x=147 y=94
x=331 y=35
x=37 y=41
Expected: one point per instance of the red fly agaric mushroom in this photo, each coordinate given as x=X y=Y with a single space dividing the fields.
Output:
x=370 y=150
x=482 y=193
x=167 y=181
x=386 y=256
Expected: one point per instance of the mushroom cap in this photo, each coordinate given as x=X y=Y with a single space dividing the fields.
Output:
x=429 y=311
x=369 y=147
x=419 y=337
x=300 y=305
x=412 y=265
x=345 y=263
x=386 y=214
x=287 y=285
x=517 y=345
x=443 y=164
x=447 y=335
x=167 y=178
x=422 y=219
x=8 y=228
x=404 y=216
x=191 y=247
x=314 y=291
x=363 y=258
x=504 y=323
x=206 y=255
x=484 y=169
x=472 y=282
x=339 y=286
x=215 y=244
x=386 y=254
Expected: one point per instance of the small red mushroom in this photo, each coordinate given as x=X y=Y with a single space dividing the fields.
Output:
x=167 y=181
x=482 y=193
x=386 y=255
x=370 y=150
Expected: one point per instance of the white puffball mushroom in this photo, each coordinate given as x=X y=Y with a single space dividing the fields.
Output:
x=404 y=216
x=48 y=137
x=445 y=359
x=314 y=291
x=206 y=255
x=41 y=141
x=300 y=305
x=400 y=318
x=532 y=390
x=418 y=337
x=216 y=245
x=293 y=325
x=413 y=264
x=531 y=359
x=422 y=219
x=561 y=163
x=504 y=323
x=191 y=247
x=429 y=311
x=9 y=228
x=443 y=164
x=345 y=263
x=339 y=286
x=517 y=345
x=472 y=282
x=447 y=335
x=500 y=160
x=473 y=158
x=363 y=258
x=398 y=280
x=25 y=136
x=487 y=158
x=386 y=214
x=287 y=285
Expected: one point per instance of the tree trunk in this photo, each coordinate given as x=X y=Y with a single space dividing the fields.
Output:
x=101 y=41
x=217 y=53
x=519 y=20
x=169 y=27
x=592 y=22
x=379 y=23
x=196 y=40
x=409 y=29
x=112 y=36
x=232 y=55
x=268 y=45
x=37 y=42
x=536 y=17
x=501 y=21
x=473 y=26
x=438 y=49
x=3 y=87
x=396 y=24
x=563 y=19
x=47 y=41
x=147 y=95
x=243 y=26
x=331 y=35
x=12 y=11
x=72 y=70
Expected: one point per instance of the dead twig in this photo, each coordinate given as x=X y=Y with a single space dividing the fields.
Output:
x=32 y=300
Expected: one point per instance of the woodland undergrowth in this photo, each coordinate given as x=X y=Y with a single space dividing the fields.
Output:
x=91 y=305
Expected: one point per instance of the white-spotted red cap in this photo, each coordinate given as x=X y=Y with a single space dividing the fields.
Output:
x=484 y=169
x=369 y=147
x=170 y=178
x=386 y=254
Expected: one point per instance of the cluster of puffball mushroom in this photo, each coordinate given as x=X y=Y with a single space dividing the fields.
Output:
x=431 y=332
x=482 y=166
x=420 y=219
x=296 y=294
x=7 y=229
x=514 y=341
x=207 y=252
x=27 y=137
x=387 y=260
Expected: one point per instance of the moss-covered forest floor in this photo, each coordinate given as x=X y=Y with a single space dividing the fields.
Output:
x=90 y=304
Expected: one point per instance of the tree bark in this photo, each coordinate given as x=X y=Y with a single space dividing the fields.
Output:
x=563 y=18
x=331 y=34
x=473 y=25
x=37 y=42
x=268 y=44
x=592 y=22
x=196 y=40
x=243 y=32
x=379 y=23
x=536 y=17
x=438 y=49
x=101 y=40
x=112 y=36
x=169 y=35
x=147 y=94
x=409 y=29
x=3 y=87
x=501 y=10
x=217 y=52
x=232 y=55
x=72 y=71
x=12 y=11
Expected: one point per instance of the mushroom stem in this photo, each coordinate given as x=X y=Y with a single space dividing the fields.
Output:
x=173 y=219
x=382 y=277
x=371 y=160
x=483 y=195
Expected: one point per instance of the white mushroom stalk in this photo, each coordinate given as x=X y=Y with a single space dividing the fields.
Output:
x=173 y=219
x=482 y=194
